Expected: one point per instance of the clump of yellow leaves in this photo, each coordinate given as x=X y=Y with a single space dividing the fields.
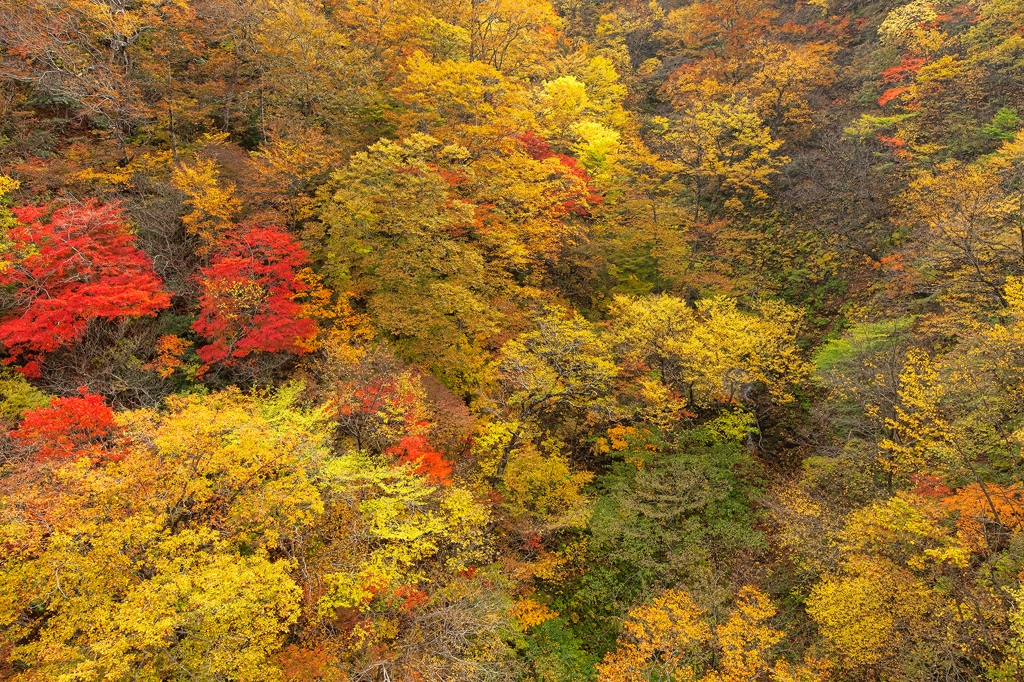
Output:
x=713 y=354
x=213 y=204
x=671 y=638
x=167 y=563
x=543 y=493
x=891 y=554
x=530 y=612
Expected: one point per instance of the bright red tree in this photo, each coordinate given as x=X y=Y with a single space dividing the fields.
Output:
x=426 y=461
x=80 y=265
x=248 y=303
x=69 y=428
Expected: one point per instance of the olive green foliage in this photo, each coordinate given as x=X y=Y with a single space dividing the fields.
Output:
x=557 y=654
x=674 y=506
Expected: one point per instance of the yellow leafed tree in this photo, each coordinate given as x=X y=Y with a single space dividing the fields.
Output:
x=714 y=353
x=214 y=205
x=165 y=563
x=670 y=638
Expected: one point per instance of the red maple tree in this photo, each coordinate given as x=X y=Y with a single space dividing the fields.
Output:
x=249 y=289
x=69 y=428
x=417 y=451
x=80 y=265
x=907 y=70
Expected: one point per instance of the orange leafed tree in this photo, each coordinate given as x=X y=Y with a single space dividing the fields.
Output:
x=988 y=514
x=660 y=640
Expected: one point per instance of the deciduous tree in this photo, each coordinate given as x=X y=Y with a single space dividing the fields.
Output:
x=712 y=353
x=556 y=374
x=249 y=289
x=165 y=563
x=397 y=236
x=77 y=265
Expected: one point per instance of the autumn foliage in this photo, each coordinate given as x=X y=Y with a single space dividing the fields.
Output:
x=540 y=149
x=388 y=414
x=248 y=302
x=425 y=460
x=512 y=340
x=69 y=428
x=78 y=265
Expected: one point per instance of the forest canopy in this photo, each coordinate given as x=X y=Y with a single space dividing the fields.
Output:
x=550 y=340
